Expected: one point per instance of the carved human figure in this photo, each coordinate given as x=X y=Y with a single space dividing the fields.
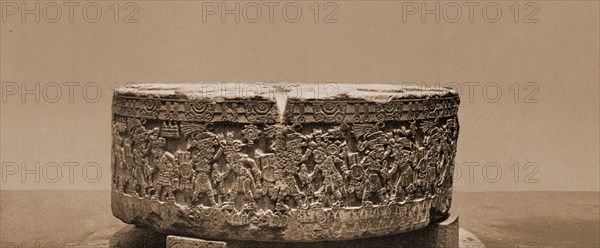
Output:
x=306 y=182
x=153 y=157
x=332 y=179
x=287 y=186
x=139 y=150
x=375 y=165
x=126 y=180
x=287 y=146
x=244 y=170
x=243 y=184
x=404 y=184
x=205 y=150
x=403 y=150
x=138 y=170
x=166 y=172
x=118 y=157
x=185 y=171
x=241 y=169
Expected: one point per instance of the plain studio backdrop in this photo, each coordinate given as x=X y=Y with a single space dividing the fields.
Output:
x=527 y=74
x=528 y=77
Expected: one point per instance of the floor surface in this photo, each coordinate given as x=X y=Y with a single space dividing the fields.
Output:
x=508 y=219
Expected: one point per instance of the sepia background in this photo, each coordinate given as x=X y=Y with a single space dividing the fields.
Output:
x=528 y=77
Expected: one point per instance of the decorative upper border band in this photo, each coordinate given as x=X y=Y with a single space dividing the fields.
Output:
x=297 y=111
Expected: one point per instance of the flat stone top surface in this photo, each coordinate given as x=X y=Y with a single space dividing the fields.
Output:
x=275 y=91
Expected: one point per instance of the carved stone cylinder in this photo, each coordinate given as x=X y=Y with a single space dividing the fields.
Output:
x=283 y=162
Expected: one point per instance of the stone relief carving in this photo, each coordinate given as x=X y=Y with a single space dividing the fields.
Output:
x=332 y=168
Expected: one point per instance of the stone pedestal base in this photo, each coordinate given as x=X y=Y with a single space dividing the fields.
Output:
x=184 y=242
x=444 y=234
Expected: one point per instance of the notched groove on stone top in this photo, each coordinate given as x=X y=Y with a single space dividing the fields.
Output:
x=286 y=96
x=334 y=162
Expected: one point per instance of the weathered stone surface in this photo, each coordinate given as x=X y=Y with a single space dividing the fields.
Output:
x=260 y=162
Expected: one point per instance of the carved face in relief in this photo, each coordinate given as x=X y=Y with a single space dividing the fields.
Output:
x=166 y=161
x=378 y=152
x=283 y=179
x=319 y=156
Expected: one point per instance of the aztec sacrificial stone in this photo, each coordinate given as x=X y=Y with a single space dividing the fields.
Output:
x=283 y=162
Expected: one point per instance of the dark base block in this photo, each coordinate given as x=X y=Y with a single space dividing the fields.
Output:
x=444 y=234
x=185 y=242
